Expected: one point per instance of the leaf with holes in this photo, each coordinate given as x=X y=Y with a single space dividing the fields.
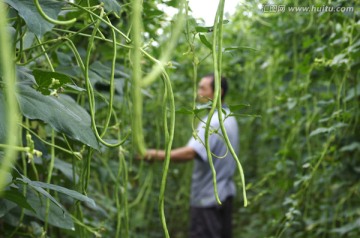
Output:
x=48 y=80
x=61 y=112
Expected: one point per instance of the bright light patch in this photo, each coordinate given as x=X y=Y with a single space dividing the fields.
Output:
x=206 y=9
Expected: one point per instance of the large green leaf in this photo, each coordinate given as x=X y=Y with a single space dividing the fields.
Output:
x=56 y=217
x=35 y=22
x=40 y=190
x=104 y=71
x=100 y=75
x=6 y=206
x=74 y=194
x=66 y=168
x=24 y=75
x=112 y=6
x=61 y=112
x=18 y=198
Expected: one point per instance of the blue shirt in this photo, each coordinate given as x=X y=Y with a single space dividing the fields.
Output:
x=202 y=188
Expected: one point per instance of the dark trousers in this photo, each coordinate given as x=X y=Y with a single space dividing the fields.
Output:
x=211 y=222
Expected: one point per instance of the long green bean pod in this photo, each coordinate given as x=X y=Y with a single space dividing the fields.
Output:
x=169 y=137
x=216 y=98
x=137 y=130
x=117 y=197
x=112 y=81
x=49 y=19
x=90 y=91
x=12 y=111
x=217 y=58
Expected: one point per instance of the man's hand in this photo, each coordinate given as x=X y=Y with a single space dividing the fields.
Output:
x=151 y=155
x=181 y=154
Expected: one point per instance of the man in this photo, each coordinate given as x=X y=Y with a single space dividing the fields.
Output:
x=208 y=219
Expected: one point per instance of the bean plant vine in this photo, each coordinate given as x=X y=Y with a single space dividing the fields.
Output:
x=42 y=142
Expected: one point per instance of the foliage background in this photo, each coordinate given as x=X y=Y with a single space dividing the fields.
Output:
x=298 y=72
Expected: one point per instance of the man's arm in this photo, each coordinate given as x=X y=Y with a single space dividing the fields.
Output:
x=181 y=154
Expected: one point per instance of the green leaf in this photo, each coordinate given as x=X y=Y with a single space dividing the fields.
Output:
x=171 y=3
x=56 y=212
x=327 y=130
x=6 y=206
x=47 y=80
x=151 y=13
x=40 y=190
x=66 y=168
x=112 y=6
x=100 y=74
x=18 y=198
x=353 y=93
x=353 y=146
x=103 y=71
x=238 y=106
x=203 y=107
x=74 y=194
x=76 y=88
x=339 y=59
x=207 y=29
x=8 y=178
x=35 y=22
x=243 y=115
x=205 y=41
x=28 y=40
x=199 y=108
x=57 y=216
x=233 y=48
x=203 y=29
x=61 y=112
x=37 y=229
x=319 y=130
x=184 y=111
x=347 y=227
x=24 y=75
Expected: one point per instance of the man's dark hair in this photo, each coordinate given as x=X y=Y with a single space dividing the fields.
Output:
x=224 y=84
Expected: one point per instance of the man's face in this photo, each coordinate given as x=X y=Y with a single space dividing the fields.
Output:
x=205 y=91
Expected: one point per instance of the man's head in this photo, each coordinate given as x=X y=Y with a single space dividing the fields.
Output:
x=207 y=87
